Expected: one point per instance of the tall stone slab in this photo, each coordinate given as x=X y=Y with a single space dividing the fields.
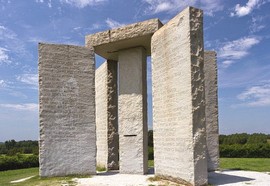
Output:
x=107 y=115
x=132 y=111
x=179 y=99
x=211 y=109
x=67 y=110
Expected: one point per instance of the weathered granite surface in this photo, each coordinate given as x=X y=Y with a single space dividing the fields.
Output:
x=107 y=115
x=179 y=99
x=67 y=110
x=211 y=109
x=133 y=111
x=108 y=43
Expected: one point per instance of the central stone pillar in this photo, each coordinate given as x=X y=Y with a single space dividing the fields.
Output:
x=129 y=46
x=132 y=111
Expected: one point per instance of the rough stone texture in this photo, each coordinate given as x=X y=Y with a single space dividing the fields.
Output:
x=133 y=111
x=179 y=100
x=211 y=110
x=67 y=110
x=113 y=137
x=106 y=115
x=107 y=44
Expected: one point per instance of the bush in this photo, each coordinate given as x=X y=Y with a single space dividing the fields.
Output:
x=245 y=151
x=11 y=147
x=18 y=161
x=150 y=153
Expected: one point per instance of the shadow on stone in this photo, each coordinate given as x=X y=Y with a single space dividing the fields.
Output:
x=109 y=173
x=151 y=170
x=220 y=178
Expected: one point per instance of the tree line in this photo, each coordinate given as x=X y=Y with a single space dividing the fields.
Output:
x=245 y=145
x=242 y=145
x=18 y=155
x=23 y=154
x=12 y=147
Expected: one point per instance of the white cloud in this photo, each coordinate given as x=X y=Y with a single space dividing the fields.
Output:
x=21 y=107
x=4 y=58
x=49 y=2
x=157 y=6
x=2 y=83
x=30 y=79
x=210 y=6
x=5 y=33
x=83 y=3
x=171 y=6
x=256 y=96
x=256 y=24
x=96 y=26
x=11 y=41
x=227 y=63
x=241 y=11
x=112 y=23
x=236 y=49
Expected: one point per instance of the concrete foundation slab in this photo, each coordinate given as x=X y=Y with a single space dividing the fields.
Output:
x=211 y=109
x=133 y=111
x=179 y=99
x=67 y=110
x=107 y=115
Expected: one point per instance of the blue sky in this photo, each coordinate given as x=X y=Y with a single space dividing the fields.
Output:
x=238 y=30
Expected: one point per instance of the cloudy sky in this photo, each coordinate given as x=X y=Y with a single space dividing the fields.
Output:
x=238 y=30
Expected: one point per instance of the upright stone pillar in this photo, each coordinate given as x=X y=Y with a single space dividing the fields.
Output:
x=133 y=111
x=129 y=45
x=107 y=115
x=211 y=110
x=179 y=99
x=67 y=110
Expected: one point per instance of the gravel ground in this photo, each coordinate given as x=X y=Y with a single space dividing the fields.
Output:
x=224 y=178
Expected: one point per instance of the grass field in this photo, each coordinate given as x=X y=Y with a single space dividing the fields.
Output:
x=253 y=164
x=7 y=176
x=150 y=163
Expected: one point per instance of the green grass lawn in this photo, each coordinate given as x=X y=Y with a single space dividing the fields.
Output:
x=150 y=163
x=252 y=164
x=7 y=176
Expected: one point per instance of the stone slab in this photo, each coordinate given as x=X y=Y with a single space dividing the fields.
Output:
x=107 y=115
x=178 y=99
x=67 y=110
x=108 y=43
x=101 y=115
x=211 y=110
x=133 y=111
